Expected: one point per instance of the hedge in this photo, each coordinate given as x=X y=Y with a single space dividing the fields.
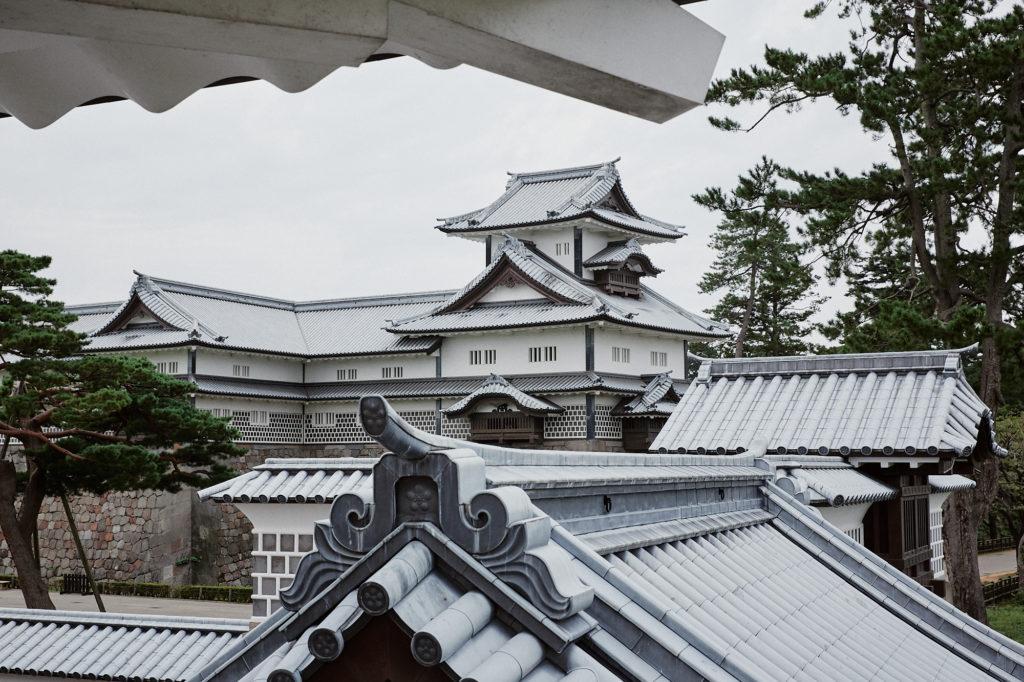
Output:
x=237 y=595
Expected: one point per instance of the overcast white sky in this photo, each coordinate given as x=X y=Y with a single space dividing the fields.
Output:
x=334 y=192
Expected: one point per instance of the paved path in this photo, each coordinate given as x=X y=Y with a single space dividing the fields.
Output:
x=997 y=563
x=145 y=605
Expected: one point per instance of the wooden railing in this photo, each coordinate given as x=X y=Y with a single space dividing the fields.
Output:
x=1003 y=587
x=996 y=544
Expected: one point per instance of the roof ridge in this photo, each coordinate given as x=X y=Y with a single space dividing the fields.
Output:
x=948 y=360
x=563 y=173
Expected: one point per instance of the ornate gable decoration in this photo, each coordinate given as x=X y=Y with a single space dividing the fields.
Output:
x=414 y=484
x=496 y=386
x=148 y=300
x=504 y=271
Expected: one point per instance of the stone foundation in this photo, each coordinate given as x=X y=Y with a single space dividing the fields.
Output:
x=152 y=536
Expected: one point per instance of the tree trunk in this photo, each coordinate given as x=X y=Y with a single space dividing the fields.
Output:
x=30 y=579
x=1020 y=563
x=961 y=515
x=747 y=314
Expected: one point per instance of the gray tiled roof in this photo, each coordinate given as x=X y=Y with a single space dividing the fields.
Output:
x=321 y=480
x=107 y=645
x=870 y=404
x=415 y=388
x=495 y=386
x=658 y=398
x=950 y=483
x=550 y=196
x=839 y=486
x=233 y=320
x=772 y=611
x=459 y=619
x=586 y=303
x=314 y=481
x=764 y=592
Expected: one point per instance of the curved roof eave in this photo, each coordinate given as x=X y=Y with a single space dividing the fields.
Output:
x=448 y=229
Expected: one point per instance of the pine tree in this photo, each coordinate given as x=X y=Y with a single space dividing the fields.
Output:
x=768 y=290
x=86 y=423
x=943 y=83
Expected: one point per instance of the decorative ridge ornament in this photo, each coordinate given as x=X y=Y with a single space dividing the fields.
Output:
x=415 y=483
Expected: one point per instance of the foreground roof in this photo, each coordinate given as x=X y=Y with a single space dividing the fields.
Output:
x=753 y=587
x=873 y=404
x=198 y=315
x=108 y=645
x=559 y=298
x=546 y=197
x=57 y=56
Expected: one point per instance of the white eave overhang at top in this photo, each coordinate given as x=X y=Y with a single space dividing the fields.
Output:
x=646 y=58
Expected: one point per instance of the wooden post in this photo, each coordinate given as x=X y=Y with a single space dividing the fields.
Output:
x=81 y=550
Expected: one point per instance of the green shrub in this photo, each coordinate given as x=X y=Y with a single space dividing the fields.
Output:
x=236 y=595
x=132 y=589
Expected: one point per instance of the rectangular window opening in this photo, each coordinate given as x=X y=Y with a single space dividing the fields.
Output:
x=483 y=357
x=240 y=370
x=542 y=353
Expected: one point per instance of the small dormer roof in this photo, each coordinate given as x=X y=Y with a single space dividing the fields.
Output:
x=546 y=197
x=659 y=398
x=498 y=387
x=617 y=254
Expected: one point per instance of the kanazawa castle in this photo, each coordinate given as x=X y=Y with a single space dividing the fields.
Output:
x=556 y=343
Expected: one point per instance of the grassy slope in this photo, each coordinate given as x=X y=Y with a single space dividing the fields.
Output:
x=1008 y=619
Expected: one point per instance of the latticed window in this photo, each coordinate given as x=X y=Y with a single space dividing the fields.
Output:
x=391 y=372
x=240 y=370
x=483 y=357
x=167 y=367
x=543 y=353
x=346 y=374
x=324 y=419
x=659 y=359
x=620 y=354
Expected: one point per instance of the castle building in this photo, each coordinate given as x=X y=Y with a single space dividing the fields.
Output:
x=556 y=343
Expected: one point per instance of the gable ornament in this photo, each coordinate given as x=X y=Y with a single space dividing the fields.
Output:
x=416 y=483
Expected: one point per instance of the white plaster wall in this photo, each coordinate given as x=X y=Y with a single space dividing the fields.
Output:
x=546 y=240
x=179 y=355
x=207 y=402
x=369 y=369
x=640 y=345
x=266 y=367
x=512 y=354
x=518 y=292
x=284 y=518
x=595 y=241
x=352 y=406
x=935 y=540
x=847 y=517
